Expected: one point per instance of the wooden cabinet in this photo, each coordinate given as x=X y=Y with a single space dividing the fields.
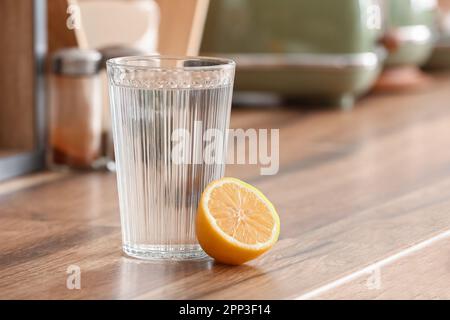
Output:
x=22 y=50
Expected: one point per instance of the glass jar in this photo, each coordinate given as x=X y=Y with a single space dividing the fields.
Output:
x=75 y=115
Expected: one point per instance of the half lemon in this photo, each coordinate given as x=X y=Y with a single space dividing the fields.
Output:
x=235 y=221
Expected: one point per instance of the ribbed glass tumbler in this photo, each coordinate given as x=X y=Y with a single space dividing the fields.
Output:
x=170 y=118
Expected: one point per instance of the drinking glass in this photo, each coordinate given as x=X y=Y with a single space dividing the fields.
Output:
x=166 y=115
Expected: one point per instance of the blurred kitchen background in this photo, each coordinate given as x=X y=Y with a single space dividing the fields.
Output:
x=54 y=109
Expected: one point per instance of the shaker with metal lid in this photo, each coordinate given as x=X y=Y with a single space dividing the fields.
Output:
x=75 y=109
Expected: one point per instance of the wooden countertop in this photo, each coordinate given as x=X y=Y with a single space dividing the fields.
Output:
x=364 y=200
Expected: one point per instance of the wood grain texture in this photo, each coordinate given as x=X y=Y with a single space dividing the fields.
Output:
x=30 y=181
x=60 y=15
x=422 y=275
x=181 y=26
x=18 y=71
x=59 y=35
x=353 y=188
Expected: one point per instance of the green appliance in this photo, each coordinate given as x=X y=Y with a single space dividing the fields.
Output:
x=327 y=50
x=412 y=23
x=440 y=57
